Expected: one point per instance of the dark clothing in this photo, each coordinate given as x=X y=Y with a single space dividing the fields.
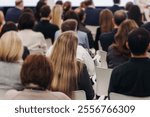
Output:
x=47 y=29
x=146 y=26
x=106 y=39
x=132 y=78
x=92 y=16
x=114 y=58
x=13 y=14
x=26 y=52
x=89 y=34
x=84 y=83
x=115 y=8
x=98 y=33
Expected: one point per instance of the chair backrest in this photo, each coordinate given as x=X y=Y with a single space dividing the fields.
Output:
x=103 y=55
x=103 y=78
x=93 y=30
x=117 y=96
x=48 y=42
x=79 y=95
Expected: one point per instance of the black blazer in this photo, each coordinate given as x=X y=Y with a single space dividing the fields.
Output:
x=106 y=39
x=92 y=16
x=47 y=29
x=115 y=8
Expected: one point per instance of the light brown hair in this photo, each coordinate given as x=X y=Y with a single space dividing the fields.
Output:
x=122 y=35
x=106 y=23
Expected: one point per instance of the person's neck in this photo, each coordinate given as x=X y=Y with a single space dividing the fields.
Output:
x=19 y=7
x=45 y=18
x=140 y=56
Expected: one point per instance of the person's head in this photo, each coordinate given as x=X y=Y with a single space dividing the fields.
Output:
x=119 y=17
x=59 y=2
x=116 y=1
x=11 y=48
x=8 y=26
x=45 y=1
x=2 y=19
x=19 y=4
x=69 y=25
x=37 y=72
x=65 y=69
x=88 y=2
x=45 y=11
x=81 y=14
x=121 y=36
x=26 y=21
x=83 y=5
x=56 y=15
x=138 y=41
x=37 y=8
x=106 y=22
x=71 y=15
x=129 y=5
x=67 y=6
x=135 y=14
x=28 y=10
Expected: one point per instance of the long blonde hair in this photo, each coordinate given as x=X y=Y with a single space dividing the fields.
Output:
x=105 y=21
x=57 y=15
x=66 y=67
x=11 y=48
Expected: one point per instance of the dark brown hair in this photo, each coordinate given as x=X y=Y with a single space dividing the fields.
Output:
x=37 y=70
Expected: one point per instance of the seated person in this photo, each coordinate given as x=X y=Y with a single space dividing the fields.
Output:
x=14 y=13
x=11 y=50
x=10 y=26
x=132 y=77
x=82 y=53
x=36 y=77
x=70 y=74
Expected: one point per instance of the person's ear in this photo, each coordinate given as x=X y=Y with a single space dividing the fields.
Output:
x=148 y=48
x=127 y=45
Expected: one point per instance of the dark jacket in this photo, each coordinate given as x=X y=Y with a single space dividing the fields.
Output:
x=92 y=16
x=106 y=39
x=13 y=14
x=47 y=29
x=132 y=78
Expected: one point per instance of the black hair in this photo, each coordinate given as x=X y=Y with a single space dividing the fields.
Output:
x=138 y=41
x=45 y=11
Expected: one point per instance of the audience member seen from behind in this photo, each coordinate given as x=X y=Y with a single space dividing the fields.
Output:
x=116 y=6
x=82 y=53
x=69 y=74
x=118 y=53
x=10 y=26
x=14 y=13
x=132 y=78
x=92 y=14
x=36 y=77
x=67 y=6
x=106 y=39
x=81 y=15
x=105 y=25
x=37 y=10
x=82 y=36
x=34 y=41
x=135 y=14
x=44 y=26
x=56 y=15
x=11 y=50
x=59 y=2
x=2 y=20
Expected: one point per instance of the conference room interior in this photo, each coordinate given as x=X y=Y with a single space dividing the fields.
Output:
x=64 y=50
